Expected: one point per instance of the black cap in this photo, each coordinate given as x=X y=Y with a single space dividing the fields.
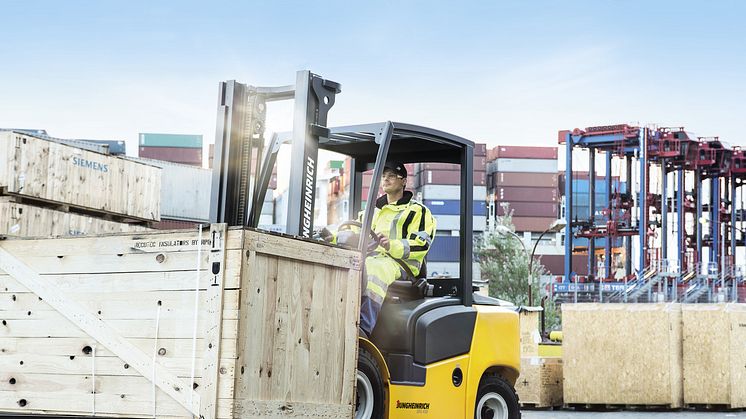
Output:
x=397 y=167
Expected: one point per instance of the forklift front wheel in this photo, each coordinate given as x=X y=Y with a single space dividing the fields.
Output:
x=369 y=399
x=496 y=399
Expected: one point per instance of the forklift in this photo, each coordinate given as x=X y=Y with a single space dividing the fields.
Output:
x=441 y=349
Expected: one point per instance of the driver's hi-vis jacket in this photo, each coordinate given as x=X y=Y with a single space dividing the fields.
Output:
x=409 y=226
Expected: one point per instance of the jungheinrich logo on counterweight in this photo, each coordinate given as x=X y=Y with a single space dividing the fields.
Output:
x=412 y=405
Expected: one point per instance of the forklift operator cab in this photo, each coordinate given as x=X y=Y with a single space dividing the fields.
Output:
x=449 y=353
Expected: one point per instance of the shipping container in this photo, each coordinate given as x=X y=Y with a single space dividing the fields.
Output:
x=523 y=194
x=453 y=207
x=529 y=209
x=522 y=152
x=185 y=192
x=479 y=165
x=446 y=177
x=171 y=140
x=444 y=269
x=480 y=150
x=54 y=172
x=445 y=249
x=166 y=224
x=535 y=224
x=450 y=192
x=191 y=156
x=582 y=242
x=453 y=222
x=555 y=264
x=526 y=165
x=539 y=180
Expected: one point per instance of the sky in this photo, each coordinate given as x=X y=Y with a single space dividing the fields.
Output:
x=499 y=72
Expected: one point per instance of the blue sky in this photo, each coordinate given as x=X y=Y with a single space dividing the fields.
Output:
x=495 y=72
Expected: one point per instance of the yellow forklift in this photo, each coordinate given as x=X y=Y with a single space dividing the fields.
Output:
x=439 y=349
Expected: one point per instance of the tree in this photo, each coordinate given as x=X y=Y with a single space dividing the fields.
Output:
x=504 y=263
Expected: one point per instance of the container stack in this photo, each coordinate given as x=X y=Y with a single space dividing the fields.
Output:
x=438 y=186
x=175 y=148
x=56 y=187
x=524 y=180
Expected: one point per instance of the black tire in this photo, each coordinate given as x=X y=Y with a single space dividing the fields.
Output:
x=367 y=369
x=495 y=394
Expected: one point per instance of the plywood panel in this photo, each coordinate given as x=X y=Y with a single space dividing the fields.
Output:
x=714 y=354
x=540 y=382
x=627 y=354
x=302 y=331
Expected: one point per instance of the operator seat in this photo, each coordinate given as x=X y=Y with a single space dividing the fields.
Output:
x=413 y=331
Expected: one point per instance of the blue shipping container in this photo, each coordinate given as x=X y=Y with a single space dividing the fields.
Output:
x=583 y=185
x=453 y=207
x=600 y=242
x=444 y=249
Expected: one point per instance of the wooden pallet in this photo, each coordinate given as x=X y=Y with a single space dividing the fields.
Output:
x=105 y=326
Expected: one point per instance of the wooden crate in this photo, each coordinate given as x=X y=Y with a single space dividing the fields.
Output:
x=622 y=354
x=105 y=326
x=61 y=174
x=529 y=326
x=540 y=382
x=22 y=220
x=715 y=354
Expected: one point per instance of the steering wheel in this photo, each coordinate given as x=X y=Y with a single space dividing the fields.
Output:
x=346 y=225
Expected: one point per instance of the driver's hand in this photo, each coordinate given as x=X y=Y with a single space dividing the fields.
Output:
x=383 y=241
x=324 y=234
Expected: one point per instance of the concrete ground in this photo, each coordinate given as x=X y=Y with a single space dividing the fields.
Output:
x=571 y=414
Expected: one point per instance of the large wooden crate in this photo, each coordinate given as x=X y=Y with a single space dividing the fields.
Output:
x=105 y=326
x=529 y=327
x=540 y=382
x=57 y=173
x=715 y=354
x=622 y=354
x=22 y=220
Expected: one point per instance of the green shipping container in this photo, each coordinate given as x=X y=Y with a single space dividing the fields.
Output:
x=171 y=140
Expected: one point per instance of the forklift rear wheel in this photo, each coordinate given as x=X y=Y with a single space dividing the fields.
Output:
x=369 y=399
x=496 y=399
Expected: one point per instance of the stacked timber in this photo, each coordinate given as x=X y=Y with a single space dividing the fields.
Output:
x=540 y=382
x=715 y=355
x=622 y=354
x=60 y=176
x=223 y=324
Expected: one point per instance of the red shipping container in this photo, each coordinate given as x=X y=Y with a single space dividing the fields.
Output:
x=480 y=150
x=524 y=194
x=523 y=152
x=173 y=154
x=480 y=165
x=446 y=177
x=555 y=264
x=529 y=209
x=535 y=224
x=541 y=180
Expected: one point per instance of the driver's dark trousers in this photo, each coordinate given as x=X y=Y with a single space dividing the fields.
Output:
x=381 y=271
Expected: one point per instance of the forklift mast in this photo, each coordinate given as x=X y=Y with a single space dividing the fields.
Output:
x=241 y=170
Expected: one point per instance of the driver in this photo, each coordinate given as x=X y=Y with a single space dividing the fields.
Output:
x=405 y=230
